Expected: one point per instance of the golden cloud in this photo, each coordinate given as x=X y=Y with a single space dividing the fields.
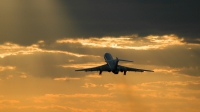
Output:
x=87 y=85
x=171 y=83
x=9 y=49
x=170 y=70
x=23 y=76
x=3 y=68
x=84 y=65
x=127 y=42
x=110 y=86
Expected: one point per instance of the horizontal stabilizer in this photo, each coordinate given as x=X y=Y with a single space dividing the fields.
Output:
x=125 y=60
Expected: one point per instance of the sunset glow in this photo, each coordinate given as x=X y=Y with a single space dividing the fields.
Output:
x=43 y=42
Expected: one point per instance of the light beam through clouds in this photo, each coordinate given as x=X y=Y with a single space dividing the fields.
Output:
x=9 y=49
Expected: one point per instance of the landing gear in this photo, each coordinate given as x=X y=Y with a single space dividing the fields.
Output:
x=124 y=72
x=100 y=72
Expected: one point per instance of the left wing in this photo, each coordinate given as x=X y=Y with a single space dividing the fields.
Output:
x=134 y=69
x=98 y=68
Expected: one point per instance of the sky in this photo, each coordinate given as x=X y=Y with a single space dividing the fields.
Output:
x=43 y=42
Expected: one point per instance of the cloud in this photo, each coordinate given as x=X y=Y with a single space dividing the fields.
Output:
x=192 y=71
x=127 y=42
x=110 y=86
x=172 y=83
x=84 y=65
x=9 y=49
x=3 y=68
x=94 y=76
x=88 y=85
x=59 y=60
x=171 y=70
x=136 y=17
x=27 y=22
x=23 y=76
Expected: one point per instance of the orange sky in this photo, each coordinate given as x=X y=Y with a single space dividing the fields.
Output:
x=42 y=43
x=38 y=79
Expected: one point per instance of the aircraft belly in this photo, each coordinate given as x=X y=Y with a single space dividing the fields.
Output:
x=111 y=65
x=115 y=71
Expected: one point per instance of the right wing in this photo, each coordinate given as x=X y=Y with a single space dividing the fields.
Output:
x=134 y=69
x=98 y=68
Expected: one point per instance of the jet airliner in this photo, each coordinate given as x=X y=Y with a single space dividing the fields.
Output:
x=112 y=66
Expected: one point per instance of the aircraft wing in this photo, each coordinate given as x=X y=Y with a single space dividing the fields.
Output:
x=98 y=68
x=134 y=69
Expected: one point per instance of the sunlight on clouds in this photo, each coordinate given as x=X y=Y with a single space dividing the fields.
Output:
x=3 y=68
x=127 y=42
x=85 y=65
x=23 y=76
x=9 y=49
x=170 y=70
x=166 y=39
x=14 y=49
x=169 y=95
x=88 y=85
x=110 y=86
x=167 y=83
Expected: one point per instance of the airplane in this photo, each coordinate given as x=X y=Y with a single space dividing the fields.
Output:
x=112 y=65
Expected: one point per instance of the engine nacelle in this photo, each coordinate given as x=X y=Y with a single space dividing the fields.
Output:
x=115 y=72
x=120 y=69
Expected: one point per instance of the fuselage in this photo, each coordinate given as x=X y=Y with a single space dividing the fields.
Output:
x=112 y=63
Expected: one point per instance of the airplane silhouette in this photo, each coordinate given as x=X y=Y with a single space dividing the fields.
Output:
x=112 y=65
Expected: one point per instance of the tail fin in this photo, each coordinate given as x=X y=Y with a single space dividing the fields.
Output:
x=123 y=60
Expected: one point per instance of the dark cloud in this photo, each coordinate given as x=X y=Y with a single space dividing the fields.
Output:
x=117 y=17
x=26 y=22
x=192 y=71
